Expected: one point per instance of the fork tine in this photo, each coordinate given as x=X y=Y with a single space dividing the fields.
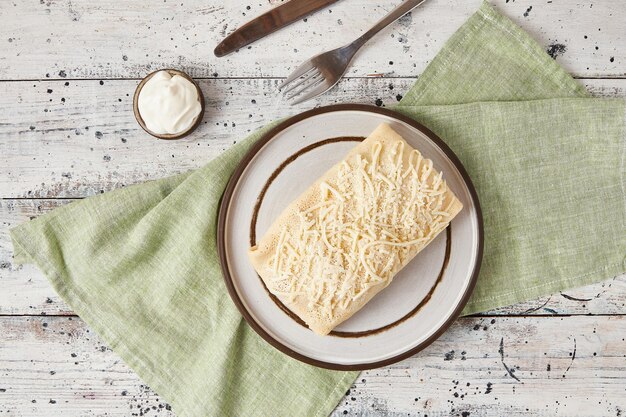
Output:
x=298 y=72
x=313 y=72
x=313 y=82
x=321 y=88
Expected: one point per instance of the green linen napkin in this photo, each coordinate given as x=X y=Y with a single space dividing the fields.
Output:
x=546 y=159
x=139 y=264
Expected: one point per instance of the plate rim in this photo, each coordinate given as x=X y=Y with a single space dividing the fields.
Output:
x=223 y=213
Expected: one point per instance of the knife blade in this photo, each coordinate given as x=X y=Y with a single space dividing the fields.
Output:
x=269 y=22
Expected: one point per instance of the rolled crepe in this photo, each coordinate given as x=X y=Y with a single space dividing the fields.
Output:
x=344 y=239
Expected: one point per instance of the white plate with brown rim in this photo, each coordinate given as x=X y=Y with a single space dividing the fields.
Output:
x=424 y=298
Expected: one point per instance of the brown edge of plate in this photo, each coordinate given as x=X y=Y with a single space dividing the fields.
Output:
x=167 y=136
x=221 y=226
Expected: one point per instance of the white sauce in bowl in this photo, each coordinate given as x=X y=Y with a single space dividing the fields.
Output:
x=168 y=104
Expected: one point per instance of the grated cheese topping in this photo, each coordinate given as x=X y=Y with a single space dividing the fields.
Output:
x=371 y=219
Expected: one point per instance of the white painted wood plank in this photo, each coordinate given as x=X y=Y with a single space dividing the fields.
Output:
x=26 y=291
x=58 y=367
x=82 y=138
x=464 y=372
x=95 y=39
x=564 y=366
x=78 y=138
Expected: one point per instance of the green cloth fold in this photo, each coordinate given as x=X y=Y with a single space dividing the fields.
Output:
x=139 y=264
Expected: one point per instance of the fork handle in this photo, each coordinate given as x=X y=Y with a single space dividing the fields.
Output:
x=402 y=9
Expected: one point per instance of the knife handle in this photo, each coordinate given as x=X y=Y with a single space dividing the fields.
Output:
x=269 y=22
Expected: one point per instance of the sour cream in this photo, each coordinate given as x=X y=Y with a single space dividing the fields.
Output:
x=168 y=104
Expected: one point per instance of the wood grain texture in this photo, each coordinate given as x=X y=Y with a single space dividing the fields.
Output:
x=95 y=39
x=68 y=139
x=26 y=290
x=504 y=367
x=525 y=366
x=57 y=367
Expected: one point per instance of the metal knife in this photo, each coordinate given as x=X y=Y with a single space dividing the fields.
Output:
x=269 y=22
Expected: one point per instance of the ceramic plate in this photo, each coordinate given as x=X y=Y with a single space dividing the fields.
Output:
x=423 y=299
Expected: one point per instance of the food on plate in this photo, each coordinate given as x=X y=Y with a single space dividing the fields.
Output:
x=344 y=239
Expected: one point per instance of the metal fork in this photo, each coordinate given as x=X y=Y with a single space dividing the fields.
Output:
x=320 y=73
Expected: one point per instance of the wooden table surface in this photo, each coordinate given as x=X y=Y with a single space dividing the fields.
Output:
x=68 y=70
